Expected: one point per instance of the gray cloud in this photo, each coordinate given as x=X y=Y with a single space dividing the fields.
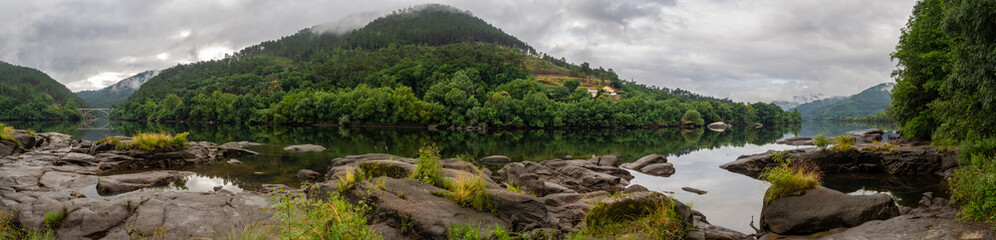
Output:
x=761 y=50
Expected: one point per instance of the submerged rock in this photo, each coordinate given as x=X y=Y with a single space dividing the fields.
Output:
x=823 y=209
x=796 y=141
x=900 y=160
x=495 y=160
x=307 y=175
x=305 y=148
x=694 y=190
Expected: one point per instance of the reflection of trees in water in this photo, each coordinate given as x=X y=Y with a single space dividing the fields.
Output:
x=519 y=145
x=71 y=128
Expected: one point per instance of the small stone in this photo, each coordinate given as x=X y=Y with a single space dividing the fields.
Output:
x=216 y=188
x=76 y=194
x=234 y=161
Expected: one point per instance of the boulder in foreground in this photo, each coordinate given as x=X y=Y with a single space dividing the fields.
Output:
x=823 y=209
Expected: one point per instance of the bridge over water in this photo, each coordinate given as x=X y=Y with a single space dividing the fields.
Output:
x=90 y=119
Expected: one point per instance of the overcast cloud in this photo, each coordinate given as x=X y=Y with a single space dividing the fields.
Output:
x=751 y=50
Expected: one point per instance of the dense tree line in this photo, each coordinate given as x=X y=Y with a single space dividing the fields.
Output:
x=946 y=78
x=29 y=94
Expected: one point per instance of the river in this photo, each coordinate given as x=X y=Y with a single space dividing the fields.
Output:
x=732 y=199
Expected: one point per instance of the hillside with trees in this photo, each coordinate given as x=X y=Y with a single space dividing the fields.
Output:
x=117 y=93
x=420 y=66
x=869 y=102
x=29 y=94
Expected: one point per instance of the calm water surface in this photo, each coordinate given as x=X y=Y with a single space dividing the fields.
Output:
x=732 y=201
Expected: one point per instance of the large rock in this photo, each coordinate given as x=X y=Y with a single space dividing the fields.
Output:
x=117 y=184
x=411 y=204
x=653 y=164
x=868 y=135
x=823 y=209
x=605 y=161
x=522 y=212
x=307 y=175
x=305 y=148
x=7 y=148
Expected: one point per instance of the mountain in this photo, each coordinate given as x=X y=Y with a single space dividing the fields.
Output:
x=425 y=65
x=29 y=94
x=119 y=92
x=871 y=101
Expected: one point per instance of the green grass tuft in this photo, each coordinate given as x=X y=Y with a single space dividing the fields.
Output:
x=470 y=192
x=349 y=181
x=54 y=218
x=789 y=177
x=7 y=133
x=155 y=141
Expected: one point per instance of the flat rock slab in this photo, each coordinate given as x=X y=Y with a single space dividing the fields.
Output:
x=902 y=228
x=117 y=184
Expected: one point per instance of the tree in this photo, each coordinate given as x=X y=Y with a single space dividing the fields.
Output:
x=571 y=84
x=692 y=117
x=922 y=57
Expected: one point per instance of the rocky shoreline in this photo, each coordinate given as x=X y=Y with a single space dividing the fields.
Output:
x=112 y=194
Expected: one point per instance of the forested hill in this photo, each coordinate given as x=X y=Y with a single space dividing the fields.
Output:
x=871 y=101
x=29 y=94
x=118 y=93
x=425 y=65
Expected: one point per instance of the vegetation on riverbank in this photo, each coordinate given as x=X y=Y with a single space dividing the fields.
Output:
x=7 y=134
x=944 y=92
x=789 y=176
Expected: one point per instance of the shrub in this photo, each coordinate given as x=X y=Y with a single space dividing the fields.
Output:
x=428 y=169
x=655 y=220
x=156 y=141
x=470 y=192
x=335 y=218
x=821 y=141
x=467 y=232
x=789 y=177
x=692 y=117
x=973 y=186
x=888 y=147
x=843 y=143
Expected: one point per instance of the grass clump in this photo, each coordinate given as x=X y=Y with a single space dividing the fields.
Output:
x=789 y=177
x=467 y=232
x=428 y=169
x=7 y=133
x=349 y=181
x=821 y=141
x=156 y=141
x=335 y=218
x=109 y=140
x=11 y=230
x=888 y=147
x=843 y=143
x=634 y=219
x=470 y=192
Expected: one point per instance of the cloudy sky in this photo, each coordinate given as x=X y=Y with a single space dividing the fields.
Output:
x=747 y=50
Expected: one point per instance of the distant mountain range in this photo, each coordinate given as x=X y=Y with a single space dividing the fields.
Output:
x=868 y=102
x=119 y=92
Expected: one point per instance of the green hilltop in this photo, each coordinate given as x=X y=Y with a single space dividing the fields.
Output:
x=29 y=94
x=430 y=64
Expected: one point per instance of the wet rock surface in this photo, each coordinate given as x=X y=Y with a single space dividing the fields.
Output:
x=796 y=141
